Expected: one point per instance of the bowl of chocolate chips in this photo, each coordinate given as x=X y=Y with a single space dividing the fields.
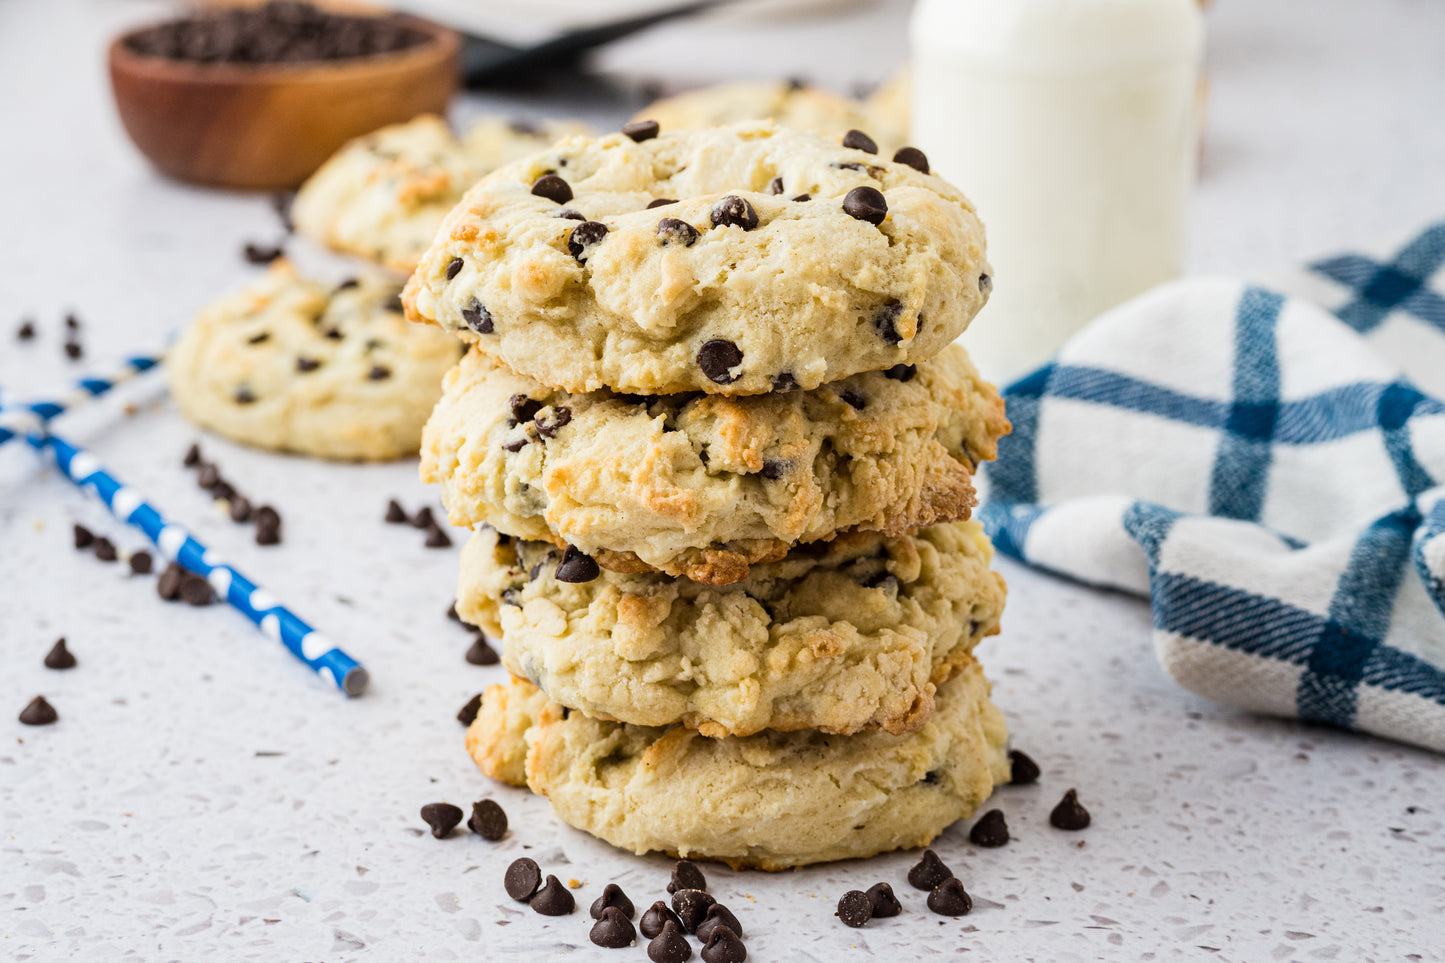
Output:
x=258 y=96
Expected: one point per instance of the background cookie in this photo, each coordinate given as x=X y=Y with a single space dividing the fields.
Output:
x=852 y=635
x=768 y=801
x=703 y=485
x=786 y=103
x=789 y=261
x=294 y=365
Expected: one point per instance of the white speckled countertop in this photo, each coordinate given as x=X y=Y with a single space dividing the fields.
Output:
x=204 y=797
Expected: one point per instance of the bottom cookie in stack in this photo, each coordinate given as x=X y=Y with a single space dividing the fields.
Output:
x=771 y=801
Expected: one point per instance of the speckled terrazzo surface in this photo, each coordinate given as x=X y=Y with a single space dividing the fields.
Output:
x=204 y=797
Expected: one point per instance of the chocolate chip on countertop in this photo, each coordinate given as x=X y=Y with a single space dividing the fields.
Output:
x=854 y=908
x=929 y=871
x=192 y=457
x=669 y=945
x=488 y=820
x=395 y=514
x=686 y=875
x=724 y=946
x=442 y=818
x=660 y=202
x=423 y=518
x=141 y=563
x=1023 y=769
x=261 y=253
x=857 y=140
x=553 y=188
x=168 y=586
x=717 y=359
x=523 y=408
x=481 y=653
x=84 y=537
x=26 y=331
x=885 y=322
x=641 y=130
x=586 y=235
x=884 y=903
x=240 y=509
x=612 y=896
x=195 y=590
x=59 y=656
x=653 y=920
x=436 y=538
x=74 y=351
x=612 y=930
x=454 y=267
x=671 y=230
x=576 y=566
x=38 y=713
x=522 y=879
x=991 y=831
x=950 y=899
x=913 y=157
x=866 y=204
x=105 y=549
x=902 y=372
x=553 y=899
x=691 y=906
x=1070 y=813
x=734 y=211
x=468 y=713
x=718 y=915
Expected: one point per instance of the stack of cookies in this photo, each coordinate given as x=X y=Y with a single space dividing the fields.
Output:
x=717 y=450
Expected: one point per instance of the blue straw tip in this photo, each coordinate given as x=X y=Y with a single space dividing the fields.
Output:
x=354 y=683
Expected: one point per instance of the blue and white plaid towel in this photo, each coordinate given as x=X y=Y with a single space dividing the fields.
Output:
x=1270 y=469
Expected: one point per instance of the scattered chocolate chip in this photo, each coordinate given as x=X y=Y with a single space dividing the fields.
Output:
x=641 y=130
x=259 y=338
x=481 y=653
x=724 y=946
x=168 y=586
x=576 y=566
x=671 y=230
x=718 y=358
x=884 y=903
x=902 y=372
x=454 y=267
x=661 y=202
x=669 y=945
x=866 y=204
x=991 y=831
x=522 y=878
x=468 y=713
x=72 y=322
x=436 y=538
x=734 y=211
x=785 y=382
x=691 y=906
x=105 y=549
x=442 y=818
x=1070 y=813
x=985 y=283
x=195 y=590
x=59 y=656
x=223 y=490
x=423 y=518
x=240 y=509
x=773 y=469
x=553 y=899
x=378 y=372
x=26 y=331
x=1022 y=768
x=192 y=457
x=612 y=930
x=775 y=186
x=857 y=140
x=267 y=517
x=801 y=198
x=74 y=351
x=652 y=921
x=395 y=514
x=553 y=188
x=208 y=477
x=854 y=397
x=478 y=318
x=141 y=563
x=854 y=908
x=260 y=253
x=949 y=898
x=718 y=915
x=686 y=875
x=929 y=871
x=488 y=820
x=612 y=896
x=84 y=537
x=549 y=425
x=583 y=236
x=38 y=713
x=885 y=322
x=913 y=157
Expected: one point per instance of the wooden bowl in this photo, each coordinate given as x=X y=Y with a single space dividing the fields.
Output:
x=268 y=126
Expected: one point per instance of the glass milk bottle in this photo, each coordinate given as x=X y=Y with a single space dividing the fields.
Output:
x=1072 y=125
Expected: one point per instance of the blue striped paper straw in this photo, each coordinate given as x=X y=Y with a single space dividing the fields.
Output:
x=177 y=544
x=32 y=416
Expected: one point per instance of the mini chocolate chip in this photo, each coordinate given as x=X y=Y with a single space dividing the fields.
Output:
x=773 y=469
x=913 y=157
x=523 y=408
x=1070 y=813
x=378 y=372
x=72 y=322
x=902 y=372
x=244 y=395
x=454 y=267
x=785 y=382
x=661 y=202
x=802 y=198
x=718 y=915
x=884 y=903
x=857 y=140
x=423 y=518
x=669 y=945
x=553 y=188
x=929 y=871
x=192 y=457
x=854 y=397
x=395 y=514
x=442 y=818
x=333 y=334
x=854 y=908
x=724 y=946
x=516 y=445
x=991 y=831
x=261 y=338
x=718 y=358
x=885 y=322
x=522 y=879
x=266 y=517
x=168 y=586
x=553 y=899
x=223 y=490
x=268 y=534
x=141 y=563
x=468 y=713
x=1022 y=768
x=576 y=566
x=652 y=921
x=436 y=538
x=686 y=875
x=105 y=549
x=670 y=230
x=84 y=537
x=208 y=477
x=612 y=896
x=585 y=235
x=195 y=590
x=477 y=317
x=261 y=254
x=612 y=930
x=950 y=899
x=775 y=186
x=641 y=130
x=481 y=653
x=38 y=713
x=26 y=331
x=691 y=906
x=73 y=350
x=487 y=820
x=866 y=204
x=59 y=656
x=549 y=425
x=304 y=364
x=734 y=211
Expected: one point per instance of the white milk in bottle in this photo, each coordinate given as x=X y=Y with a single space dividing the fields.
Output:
x=1071 y=125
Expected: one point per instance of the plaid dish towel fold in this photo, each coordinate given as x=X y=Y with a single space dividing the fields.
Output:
x=1270 y=468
